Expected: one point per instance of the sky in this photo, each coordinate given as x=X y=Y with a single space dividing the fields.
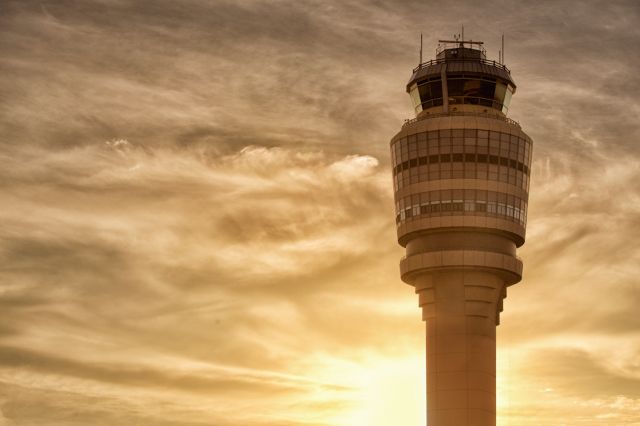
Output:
x=197 y=226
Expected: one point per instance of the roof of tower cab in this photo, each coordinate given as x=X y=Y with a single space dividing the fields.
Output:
x=460 y=57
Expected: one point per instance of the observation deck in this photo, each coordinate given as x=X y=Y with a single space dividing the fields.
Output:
x=470 y=79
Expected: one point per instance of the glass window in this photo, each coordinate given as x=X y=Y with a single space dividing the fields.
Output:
x=432 y=147
x=455 y=87
x=424 y=91
x=469 y=170
x=458 y=201
x=481 y=171
x=499 y=95
x=415 y=96
x=486 y=90
x=428 y=94
x=512 y=176
x=469 y=194
x=507 y=99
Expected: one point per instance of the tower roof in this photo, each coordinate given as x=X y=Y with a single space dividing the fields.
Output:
x=460 y=57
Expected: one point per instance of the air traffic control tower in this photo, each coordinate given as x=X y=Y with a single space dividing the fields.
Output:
x=461 y=172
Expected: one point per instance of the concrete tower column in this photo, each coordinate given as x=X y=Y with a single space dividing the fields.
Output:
x=460 y=308
x=461 y=287
x=461 y=180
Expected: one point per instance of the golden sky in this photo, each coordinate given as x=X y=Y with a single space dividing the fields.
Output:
x=197 y=226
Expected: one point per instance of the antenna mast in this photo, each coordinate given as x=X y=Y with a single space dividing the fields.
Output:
x=420 y=49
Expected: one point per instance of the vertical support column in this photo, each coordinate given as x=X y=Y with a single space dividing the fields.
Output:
x=445 y=88
x=460 y=308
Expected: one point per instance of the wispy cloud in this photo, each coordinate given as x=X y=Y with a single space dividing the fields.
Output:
x=197 y=217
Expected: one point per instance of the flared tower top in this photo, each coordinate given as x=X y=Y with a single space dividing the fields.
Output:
x=461 y=74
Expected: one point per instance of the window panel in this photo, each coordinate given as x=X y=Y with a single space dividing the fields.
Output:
x=461 y=202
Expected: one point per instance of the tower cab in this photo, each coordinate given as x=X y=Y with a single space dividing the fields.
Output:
x=461 y=76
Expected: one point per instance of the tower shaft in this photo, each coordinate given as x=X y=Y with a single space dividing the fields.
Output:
x=459 y=308
x=461 y=286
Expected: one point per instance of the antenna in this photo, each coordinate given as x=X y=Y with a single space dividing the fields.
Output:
x=502 y=49
x=420 y=49
x=463 y=34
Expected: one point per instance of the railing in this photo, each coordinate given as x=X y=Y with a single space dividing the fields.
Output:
x=464 y=44
x=445 y=60
x=460 y=113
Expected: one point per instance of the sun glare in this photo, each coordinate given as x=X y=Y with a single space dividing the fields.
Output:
x=385 y=392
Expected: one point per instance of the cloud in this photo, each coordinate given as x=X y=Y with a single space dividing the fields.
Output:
x=202 y=258
x=202 y=187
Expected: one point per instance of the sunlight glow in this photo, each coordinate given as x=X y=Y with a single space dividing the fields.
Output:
x=385 y=392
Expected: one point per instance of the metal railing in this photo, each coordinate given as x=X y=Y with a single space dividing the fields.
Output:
x=445 y=60
x=460 y=113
